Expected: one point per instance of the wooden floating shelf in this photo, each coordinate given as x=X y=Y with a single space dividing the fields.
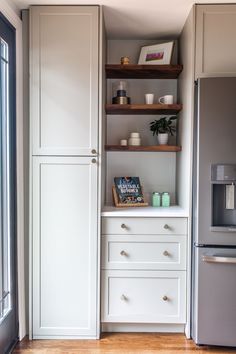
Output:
x=143 y=108
x=151 y=148
x=132 y=71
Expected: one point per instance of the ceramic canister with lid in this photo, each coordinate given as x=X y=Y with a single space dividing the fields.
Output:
x=134 y=139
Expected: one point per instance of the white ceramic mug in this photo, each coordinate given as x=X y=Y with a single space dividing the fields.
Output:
x=167 y=99
x=149 y=98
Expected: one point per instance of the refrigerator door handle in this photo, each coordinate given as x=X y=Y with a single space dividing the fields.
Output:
x=219 y=259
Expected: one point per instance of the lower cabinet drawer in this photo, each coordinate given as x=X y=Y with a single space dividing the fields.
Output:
x=141 y=226
x=144 y=252
x=144 y=296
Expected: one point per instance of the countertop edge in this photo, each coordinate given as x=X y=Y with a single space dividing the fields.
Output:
x=147 y=212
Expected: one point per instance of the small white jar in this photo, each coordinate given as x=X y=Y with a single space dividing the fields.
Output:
x=123 y=142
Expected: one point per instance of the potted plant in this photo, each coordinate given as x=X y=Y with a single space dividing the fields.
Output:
x=162 y=128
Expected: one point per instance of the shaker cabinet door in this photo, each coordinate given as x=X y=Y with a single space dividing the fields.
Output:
x=64 y=247
x=64 y=79
x=215 y=40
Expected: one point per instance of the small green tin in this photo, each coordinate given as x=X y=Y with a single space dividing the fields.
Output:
x=165 y=200
x=156 y=199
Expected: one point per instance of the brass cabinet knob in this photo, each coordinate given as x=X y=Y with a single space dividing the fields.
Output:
x=93 y=151
x=123 y=226
x=165 y=298
x=123 y=297
x=94 y=160
x=166 y=253
x=166 y=227
x=123 y=253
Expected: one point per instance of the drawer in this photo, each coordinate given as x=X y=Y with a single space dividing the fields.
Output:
x=144 y=252
x=140 y=226
x=144 y=296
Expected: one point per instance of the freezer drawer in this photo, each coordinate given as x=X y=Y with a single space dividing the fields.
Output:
x=214 y=296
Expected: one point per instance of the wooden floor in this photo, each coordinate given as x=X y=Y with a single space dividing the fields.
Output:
x=119 y=343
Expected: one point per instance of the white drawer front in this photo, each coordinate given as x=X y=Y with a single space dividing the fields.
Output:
x=146 y=296
x=144 y=252
x=151 y=226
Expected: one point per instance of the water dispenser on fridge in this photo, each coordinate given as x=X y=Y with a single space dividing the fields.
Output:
x=223 y=181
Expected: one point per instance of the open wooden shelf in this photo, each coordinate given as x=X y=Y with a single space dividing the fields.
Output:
x=143 y=108
x=135 y=71
x=151 y=148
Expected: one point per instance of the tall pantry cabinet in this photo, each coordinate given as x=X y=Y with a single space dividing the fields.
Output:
x=65 y=158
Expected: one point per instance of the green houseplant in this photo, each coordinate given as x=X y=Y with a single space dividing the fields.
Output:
x=162 y=128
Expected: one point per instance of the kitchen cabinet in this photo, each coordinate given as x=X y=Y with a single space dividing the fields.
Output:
x=143 y=254
x=65 y=58
x=144 y=270
x=64 y=278
x=215 y=38
x=64 y=79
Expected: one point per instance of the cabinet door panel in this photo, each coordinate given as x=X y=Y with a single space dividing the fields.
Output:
x=64 y=79
x=215 y=38
x=64 y=246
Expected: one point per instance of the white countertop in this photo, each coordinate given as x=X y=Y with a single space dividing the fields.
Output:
x=149 y=212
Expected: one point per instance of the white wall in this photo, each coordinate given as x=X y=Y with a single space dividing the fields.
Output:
x=156 y=170
x=10 y=12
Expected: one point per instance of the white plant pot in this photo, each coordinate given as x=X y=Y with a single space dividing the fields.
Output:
x=163 y=138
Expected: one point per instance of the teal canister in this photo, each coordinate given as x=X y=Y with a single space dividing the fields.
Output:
x=165 y=200
x=156 y=199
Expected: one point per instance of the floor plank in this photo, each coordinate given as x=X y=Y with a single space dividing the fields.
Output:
x=119 y=343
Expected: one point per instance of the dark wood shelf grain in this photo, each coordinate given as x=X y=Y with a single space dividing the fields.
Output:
x=135 y=71
x=143 y=108
x=151 y=148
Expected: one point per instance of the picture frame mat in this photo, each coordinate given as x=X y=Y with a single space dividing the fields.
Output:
x=166 y=47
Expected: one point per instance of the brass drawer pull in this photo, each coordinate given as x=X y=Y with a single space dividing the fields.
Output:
x=123 y=297
x=165 y=298
x=123 y=253
x=166 y=253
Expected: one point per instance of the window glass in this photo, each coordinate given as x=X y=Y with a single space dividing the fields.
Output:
x=5 y=271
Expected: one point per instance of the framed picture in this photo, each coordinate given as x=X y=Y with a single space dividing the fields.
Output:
x=156 y=54
x=127 y=191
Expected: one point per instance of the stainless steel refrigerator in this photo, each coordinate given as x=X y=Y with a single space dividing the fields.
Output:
x=214 y=213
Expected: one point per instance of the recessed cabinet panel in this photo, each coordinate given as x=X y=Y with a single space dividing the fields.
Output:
x=64 y=246
x=215 y=40
x=64 y=79
x=144 y=252
x=148 y=296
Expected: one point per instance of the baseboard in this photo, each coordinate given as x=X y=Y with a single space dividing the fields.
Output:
x=65 y=337
x=143 y=327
